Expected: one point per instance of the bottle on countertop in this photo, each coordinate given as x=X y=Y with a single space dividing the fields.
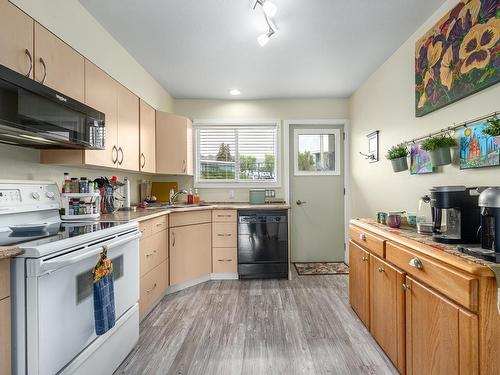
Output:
x=190 y=196
x=84 y=185
x=75 y=185
x=196 y=197
x=66 y=187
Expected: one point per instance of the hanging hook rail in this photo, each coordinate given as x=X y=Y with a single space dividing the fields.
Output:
x=451 y=128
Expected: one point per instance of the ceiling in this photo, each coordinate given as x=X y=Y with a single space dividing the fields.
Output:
x=204 y=48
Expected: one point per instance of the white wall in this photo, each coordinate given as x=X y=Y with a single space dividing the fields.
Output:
x=386 y=103
x=71 y=22
x=286 y=109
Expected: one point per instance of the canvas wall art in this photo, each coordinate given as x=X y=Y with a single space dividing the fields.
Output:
x=478 y=150
x=420 y=161
x=459 y=56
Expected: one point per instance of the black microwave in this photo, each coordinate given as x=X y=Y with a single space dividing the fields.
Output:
x=34 y=115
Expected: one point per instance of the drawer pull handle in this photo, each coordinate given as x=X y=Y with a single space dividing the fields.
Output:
x=160 y=224
x=224 y=260
x=417 y=263
x=151 y=254
x=406 y=287
x=150 y=290
x=224 y=215
x=364 y=259
x=362 y=237
x=224 y=234
x=381 y=269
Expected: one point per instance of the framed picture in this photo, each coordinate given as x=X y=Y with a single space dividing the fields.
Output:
x=459 y=56
x=478 y=150
x=420 y=161
x=373 y=154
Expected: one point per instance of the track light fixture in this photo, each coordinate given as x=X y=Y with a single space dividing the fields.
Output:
x=269 y=12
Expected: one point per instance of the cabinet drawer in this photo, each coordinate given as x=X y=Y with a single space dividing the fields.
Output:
x=4 y=278
x=369 y=241
x=152 y=287
x=159 y=224
x=224 y=235
x=153 y=251
x=224 y=216
x=457 y=286
x=179 y=219
x=224 y=260
x=145 y=228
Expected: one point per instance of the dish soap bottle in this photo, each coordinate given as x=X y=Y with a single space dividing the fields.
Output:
x=196 y=197
x=190 y=196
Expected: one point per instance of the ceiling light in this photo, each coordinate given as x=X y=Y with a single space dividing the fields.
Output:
x=234 y=92
x=269 y=9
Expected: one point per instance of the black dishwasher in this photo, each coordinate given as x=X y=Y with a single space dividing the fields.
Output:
x=263 y=244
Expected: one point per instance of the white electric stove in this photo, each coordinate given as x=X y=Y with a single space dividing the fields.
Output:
x=51 y=282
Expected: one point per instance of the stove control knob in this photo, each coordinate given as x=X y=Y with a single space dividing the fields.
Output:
x=35 y=195
x=50 y=195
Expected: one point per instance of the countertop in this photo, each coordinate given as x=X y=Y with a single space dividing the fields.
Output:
x=9 y=252
x=142 y=214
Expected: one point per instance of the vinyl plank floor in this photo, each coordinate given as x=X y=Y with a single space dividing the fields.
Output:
x=303 y=326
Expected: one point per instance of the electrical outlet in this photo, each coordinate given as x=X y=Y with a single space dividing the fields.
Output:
x=231 y=194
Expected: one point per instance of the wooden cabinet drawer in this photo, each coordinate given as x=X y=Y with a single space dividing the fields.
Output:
x=159 y=224
x=457 y=286
x=152 y=287
x=5 y=334
x=224 y=216
x=224 y=260
x=179 y=219
x=153 y=251
x=145 y=228
x=4 y=278
x=369 y=241
x=224 y=235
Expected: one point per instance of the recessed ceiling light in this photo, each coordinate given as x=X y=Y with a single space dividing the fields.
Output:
x=234 y=92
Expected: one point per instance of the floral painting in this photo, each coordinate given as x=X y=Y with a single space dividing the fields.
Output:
x=478 y=150
x=459 y=56
x=420 y=161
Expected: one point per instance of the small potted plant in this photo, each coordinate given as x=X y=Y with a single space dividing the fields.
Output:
x=493 y=129
x=438 y=148
x=398 y=156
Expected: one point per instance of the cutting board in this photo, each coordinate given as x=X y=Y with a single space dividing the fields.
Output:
x=161 y=190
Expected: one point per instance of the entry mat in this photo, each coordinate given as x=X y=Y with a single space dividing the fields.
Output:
x=322 y=268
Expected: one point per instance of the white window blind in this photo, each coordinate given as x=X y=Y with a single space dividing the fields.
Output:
x=236 y=154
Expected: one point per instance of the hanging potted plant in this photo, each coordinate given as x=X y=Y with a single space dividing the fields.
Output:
x=493 y=129
x=438 y=148
x=398 y=155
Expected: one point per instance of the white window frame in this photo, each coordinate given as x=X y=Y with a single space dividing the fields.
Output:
x=232 y=123
x=297 y=132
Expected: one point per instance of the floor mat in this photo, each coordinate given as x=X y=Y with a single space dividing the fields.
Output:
x=322 y=268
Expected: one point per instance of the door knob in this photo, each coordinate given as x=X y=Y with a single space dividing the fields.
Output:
x=299 y=202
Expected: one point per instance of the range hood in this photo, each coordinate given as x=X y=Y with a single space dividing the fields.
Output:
x=36 y=116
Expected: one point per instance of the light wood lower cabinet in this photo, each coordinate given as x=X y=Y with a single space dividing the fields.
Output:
x=190 y=252
x=387 y=310
x=441 y=337
x=152 y=287
x=224 y=260
x=359 y=282
x=5 y=318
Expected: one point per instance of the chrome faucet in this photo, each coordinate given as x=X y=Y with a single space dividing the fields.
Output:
x=172 y=198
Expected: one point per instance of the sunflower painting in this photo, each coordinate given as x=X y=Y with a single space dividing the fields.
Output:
x=459 y=56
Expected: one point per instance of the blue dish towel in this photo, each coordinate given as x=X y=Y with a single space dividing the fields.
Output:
x=104 y=295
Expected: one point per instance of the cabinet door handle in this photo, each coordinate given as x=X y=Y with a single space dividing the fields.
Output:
x=114 y=151
x=406 y=286
x=417 y=263
x=150 y=290
x=44 y=70
x=120 y=150
x=184 y=167
x=173 y=239
x=28 y=53
x=381 y=269
x=364 y=259
x=362 y=237
x=143 y=158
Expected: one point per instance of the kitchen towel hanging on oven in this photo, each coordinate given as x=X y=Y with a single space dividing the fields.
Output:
x=104 y=295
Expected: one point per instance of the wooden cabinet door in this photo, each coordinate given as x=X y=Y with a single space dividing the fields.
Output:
x=128 y=129
x=359 y=281
x=57 y=65
x=441 y=338
x=387 y=313
x=147 y=117
x=5 y=335
x=16 y=36
x=190 y=252
x=172 y=144
x=101 y=94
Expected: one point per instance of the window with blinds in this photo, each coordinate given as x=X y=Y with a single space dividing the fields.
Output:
x=236 y=154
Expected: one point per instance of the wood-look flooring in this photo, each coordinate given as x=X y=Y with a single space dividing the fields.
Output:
x=303 y=326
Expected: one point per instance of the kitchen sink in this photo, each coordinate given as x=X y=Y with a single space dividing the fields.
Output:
x=173 y=207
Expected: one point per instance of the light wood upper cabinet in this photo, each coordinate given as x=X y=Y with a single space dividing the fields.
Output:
x=147 y=118
x=16 y=36
x=128 y=129
x=387 y=310
x=441 y=337
x=359 y=282
x=190 y=252
x=174 y=144
x=57 y=65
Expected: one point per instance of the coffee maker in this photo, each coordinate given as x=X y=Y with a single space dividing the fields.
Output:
x=455 y=214
x=489 y=204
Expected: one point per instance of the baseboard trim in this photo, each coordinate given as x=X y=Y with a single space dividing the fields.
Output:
x=187 y=284
x=224 y=276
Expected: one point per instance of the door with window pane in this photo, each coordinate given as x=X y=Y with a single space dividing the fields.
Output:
x=317 y=193
x=236 y=154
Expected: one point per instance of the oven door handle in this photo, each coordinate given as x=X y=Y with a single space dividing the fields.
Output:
x=66 y=260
